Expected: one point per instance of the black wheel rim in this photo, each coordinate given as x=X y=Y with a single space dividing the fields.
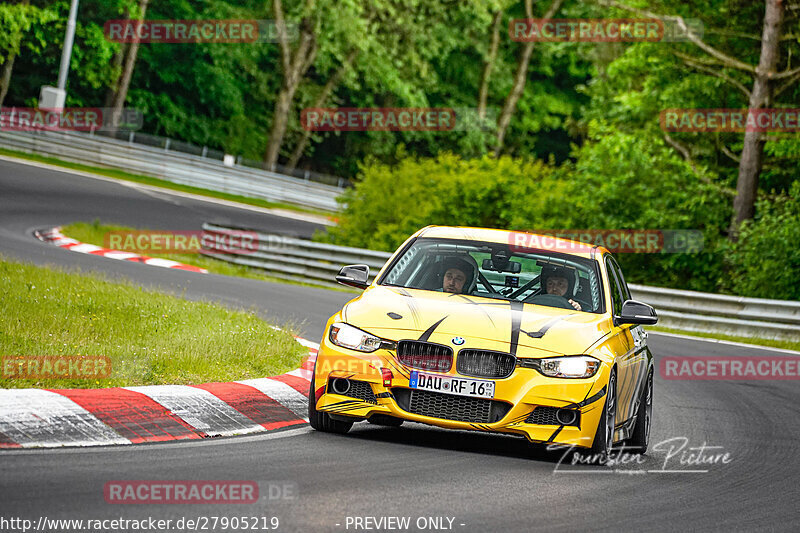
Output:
x=611 y=411
x=648 y=409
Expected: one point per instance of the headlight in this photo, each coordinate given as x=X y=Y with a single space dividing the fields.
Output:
x=571 y=366
x=347 y=336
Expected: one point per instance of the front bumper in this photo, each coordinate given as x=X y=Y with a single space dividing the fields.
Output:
x=517 y=396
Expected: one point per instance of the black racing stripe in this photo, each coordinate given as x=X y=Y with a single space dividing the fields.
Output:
x=400 y=370
x=342 y=403
x=473 y=302
x=428 y=332
x=485 y=312
x=587 y=401
x=555 y=434
x=516 y=322
x=347 y=409
x=412 y=306
x=539 y=334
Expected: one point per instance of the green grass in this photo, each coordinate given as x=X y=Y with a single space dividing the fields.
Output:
x=786 y=345
x=150 y=337
x=94 y=233
x=148 y=180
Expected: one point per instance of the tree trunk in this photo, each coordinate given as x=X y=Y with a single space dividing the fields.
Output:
x=333 y=81
x=5 y=81
x=8 y=67
x=295 y=64
x=280 y=119
x=127 y=72
x=520 y=78
x=760 y=97
x=483 y=92
x=111 y=94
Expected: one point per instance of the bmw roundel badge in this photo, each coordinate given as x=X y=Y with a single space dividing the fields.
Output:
x=458 y=341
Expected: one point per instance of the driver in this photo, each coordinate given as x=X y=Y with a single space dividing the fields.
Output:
x=556 y=280
x=456 y=275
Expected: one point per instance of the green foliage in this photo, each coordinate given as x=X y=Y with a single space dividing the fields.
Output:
x=390 y=202
x=21 y=23
x=620 y=181
x=634 y=181
x=585 y=146
x=150 y=337
x=766 y=258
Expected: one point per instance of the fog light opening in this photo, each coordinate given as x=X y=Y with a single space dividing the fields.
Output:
x=566 y=417
x=341 y=385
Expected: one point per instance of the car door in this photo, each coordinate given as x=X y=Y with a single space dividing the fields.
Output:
x=633 y=365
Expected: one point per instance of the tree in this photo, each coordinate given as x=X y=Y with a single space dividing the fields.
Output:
x=17 y=21
x=764 y=78
x=127 y=71
x=295 y=61
x=510 y=105
x=323 y=96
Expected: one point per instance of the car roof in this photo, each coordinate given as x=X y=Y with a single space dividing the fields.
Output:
x=522 y=239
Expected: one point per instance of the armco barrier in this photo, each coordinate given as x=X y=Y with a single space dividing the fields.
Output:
x=177 y=167
x=292 y=258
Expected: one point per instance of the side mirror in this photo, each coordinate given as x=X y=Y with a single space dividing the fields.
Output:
x=634 y=312
x=354 y=276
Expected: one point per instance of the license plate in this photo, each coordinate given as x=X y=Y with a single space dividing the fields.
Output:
x=476 y=388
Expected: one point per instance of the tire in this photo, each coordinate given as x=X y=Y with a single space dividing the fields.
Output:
x=604 y=436
x=322 y=421
x=640 y=438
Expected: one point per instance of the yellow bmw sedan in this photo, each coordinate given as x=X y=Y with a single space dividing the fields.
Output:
x=491 y=330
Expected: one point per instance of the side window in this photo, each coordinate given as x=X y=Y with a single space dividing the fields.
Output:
x=626 y=293
x=614 y=286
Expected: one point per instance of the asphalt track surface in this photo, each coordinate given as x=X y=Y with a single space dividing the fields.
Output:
x=484 y=482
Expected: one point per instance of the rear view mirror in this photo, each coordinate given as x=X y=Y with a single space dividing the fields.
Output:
x=634 y=312
x=354 y=276
x=513 y=267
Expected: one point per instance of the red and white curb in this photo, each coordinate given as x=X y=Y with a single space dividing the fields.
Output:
x=54 y=236
x=38 y=418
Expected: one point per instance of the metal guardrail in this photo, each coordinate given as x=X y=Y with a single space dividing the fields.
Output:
x=177 y=167
x=291 y=258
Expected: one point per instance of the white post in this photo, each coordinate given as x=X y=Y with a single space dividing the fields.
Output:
x=66 y=53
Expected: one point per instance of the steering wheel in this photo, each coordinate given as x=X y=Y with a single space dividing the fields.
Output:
x=550 y=300
x=584 y=304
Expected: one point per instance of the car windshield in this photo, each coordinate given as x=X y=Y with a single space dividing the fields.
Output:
x=494 y=270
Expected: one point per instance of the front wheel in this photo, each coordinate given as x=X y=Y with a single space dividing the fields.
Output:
x=640 y=438
x=604 y=436
x=322 y=421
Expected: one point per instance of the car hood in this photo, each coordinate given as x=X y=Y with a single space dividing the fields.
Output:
x=398 y=313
